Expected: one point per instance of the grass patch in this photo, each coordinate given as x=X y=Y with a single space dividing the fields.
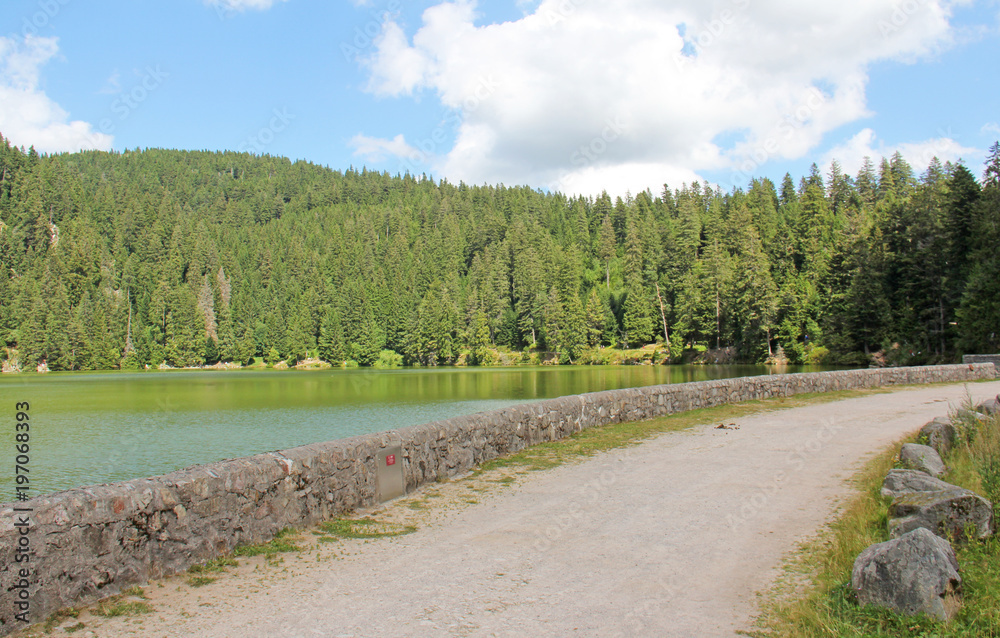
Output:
x=117 y=606
x=277 y=545
x=214 y=566
x=136 y=591
x=58 y=617
x=826 y=606
x=364 y=528
x=201 y=581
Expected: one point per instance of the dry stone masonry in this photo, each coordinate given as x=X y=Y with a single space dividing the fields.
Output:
x=93 y=542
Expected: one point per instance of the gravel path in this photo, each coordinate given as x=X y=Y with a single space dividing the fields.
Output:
x=672 y=537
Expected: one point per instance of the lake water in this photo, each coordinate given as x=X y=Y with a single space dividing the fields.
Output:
x=89 y=428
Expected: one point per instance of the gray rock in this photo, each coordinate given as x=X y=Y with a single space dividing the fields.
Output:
x=912 y=574
x=899 y=482
x=923 y=458
x=948 y=513
x=989 y=406
x=940 y=434
x=971 y=414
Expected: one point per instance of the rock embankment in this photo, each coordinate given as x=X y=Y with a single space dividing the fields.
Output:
x=917 y=571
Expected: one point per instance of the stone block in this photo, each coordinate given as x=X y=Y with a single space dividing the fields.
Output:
x=923 y=458
x=949 y=513
x=916 y=573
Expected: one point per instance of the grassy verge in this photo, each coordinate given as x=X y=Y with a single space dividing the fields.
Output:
x=826 y=605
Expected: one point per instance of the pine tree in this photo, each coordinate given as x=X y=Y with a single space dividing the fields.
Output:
x=637 y=320
x=555 y=321
x=331 y=338
x=979 y=313
x=594 y=318
x=481 y=345
x=607 y=248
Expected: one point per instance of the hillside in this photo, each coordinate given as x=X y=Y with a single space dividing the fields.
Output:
x=131 y=259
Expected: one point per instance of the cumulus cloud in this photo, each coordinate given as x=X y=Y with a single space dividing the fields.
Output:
x=376 y=149
x=990 y=128
x=28 y=117
x=723 y=85
x=851 y=154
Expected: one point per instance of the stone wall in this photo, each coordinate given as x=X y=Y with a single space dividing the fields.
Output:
x=92 y=542
x=983 y=358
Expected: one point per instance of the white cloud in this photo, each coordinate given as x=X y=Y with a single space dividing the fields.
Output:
x=851 y=154
x=242 y=5
x=28 y=117
x=377 y=149
x=738 y=84
x=990 y=128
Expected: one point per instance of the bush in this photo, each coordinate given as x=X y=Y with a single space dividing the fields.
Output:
x=388 y=359
x=816 y=355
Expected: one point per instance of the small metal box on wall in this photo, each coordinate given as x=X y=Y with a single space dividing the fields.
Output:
x=389 y=473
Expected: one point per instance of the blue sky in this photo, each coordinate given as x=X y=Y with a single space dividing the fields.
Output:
x=558 y=94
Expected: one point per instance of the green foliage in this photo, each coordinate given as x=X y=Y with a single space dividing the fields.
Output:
x=364 y=528
x=132 y=259
x=277 y=545
x=388 y=359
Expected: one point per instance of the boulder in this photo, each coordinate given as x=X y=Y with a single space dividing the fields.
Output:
x=899 y=482
x=940 y=434
x=947 y=513
x=970 y=414
x=989 y=406
x=923 y=458
x=915 y=573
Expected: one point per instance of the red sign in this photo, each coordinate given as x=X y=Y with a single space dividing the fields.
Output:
x=390 y=459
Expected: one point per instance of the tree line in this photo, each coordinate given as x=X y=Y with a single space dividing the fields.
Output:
x=128 y=259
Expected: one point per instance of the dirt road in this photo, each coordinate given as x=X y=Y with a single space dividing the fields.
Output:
x=672 y=537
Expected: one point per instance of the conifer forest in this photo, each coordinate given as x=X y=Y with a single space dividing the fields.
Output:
x=150 y=257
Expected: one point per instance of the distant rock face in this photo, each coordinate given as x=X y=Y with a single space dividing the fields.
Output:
x=899 y=482
x=923 y=458
x=949 y=513
x=915 y=573
x=940 y=435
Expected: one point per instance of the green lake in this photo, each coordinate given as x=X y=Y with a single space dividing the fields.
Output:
x=89 y=428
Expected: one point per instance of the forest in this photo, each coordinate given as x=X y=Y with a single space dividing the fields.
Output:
x=123 y=260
